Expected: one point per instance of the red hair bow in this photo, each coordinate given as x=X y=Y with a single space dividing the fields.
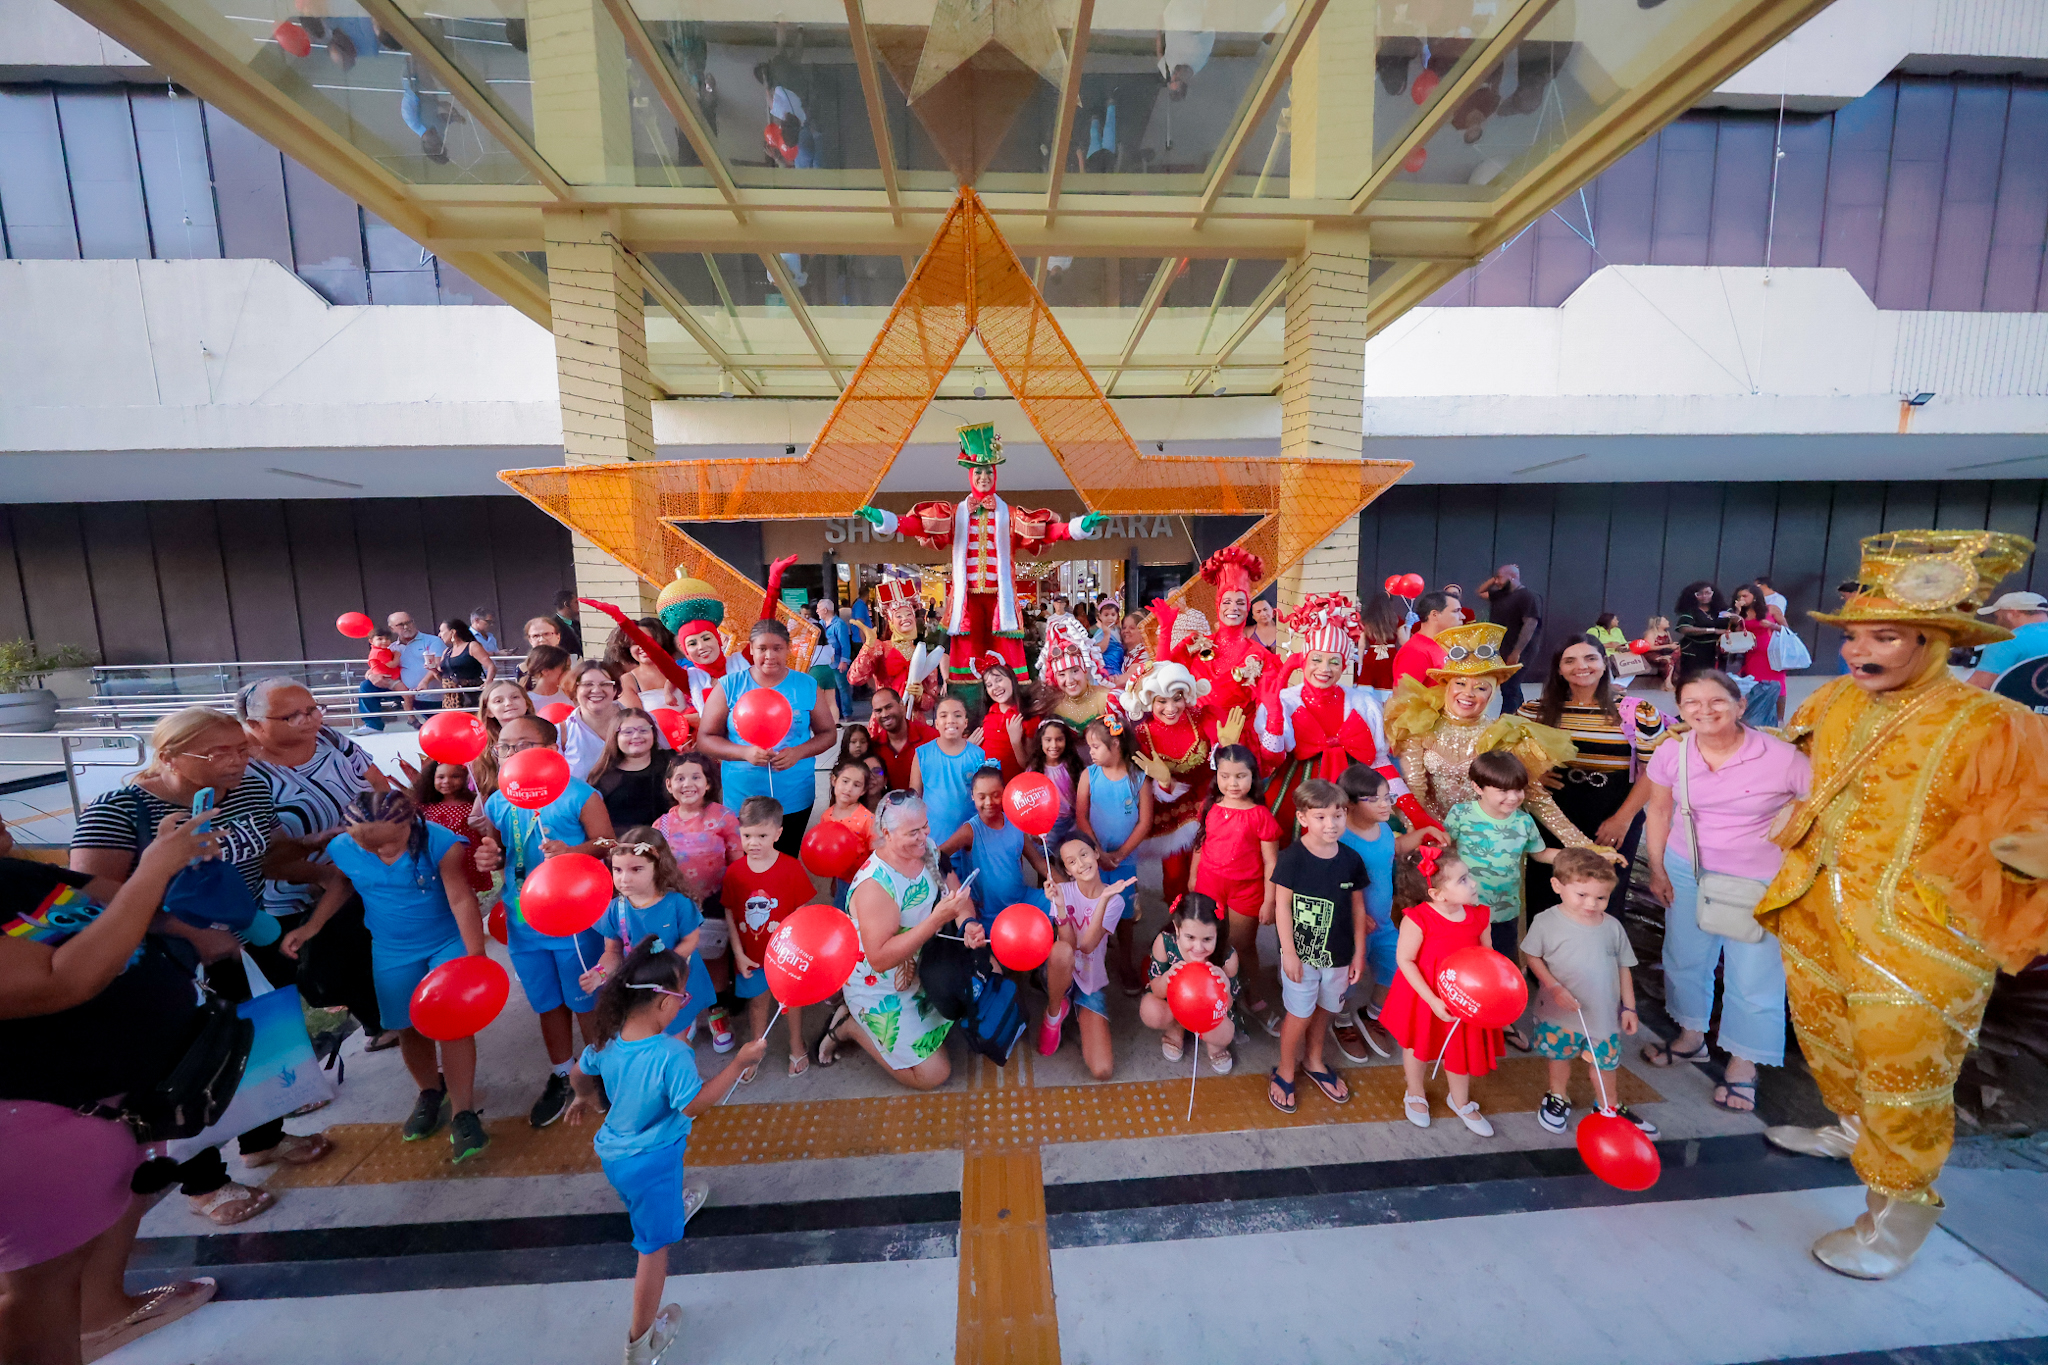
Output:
x=1426 y=860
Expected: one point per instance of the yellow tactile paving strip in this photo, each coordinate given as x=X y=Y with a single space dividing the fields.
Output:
x=1006 y=1310
x=1007 y=1112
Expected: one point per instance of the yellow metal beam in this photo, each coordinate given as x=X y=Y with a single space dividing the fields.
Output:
x=676 y=100
x=1258 y=101
x=878 y=113
x=1155 y=294
x=476 y=102
x=1404 y=287
x=1269 y=297
x=511 y=278
x=1070 y=104
x=801 y=311
x=673 y=304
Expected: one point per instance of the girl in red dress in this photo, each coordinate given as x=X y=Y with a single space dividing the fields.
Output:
x=1234 y=857
x=1002 y=728
x=1433 y=891
x=1168 y=747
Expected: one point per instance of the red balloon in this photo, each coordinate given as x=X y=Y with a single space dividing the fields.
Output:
x=459 y=998
x=353 y=624
x=494 y=924
x=1199 y=995
x=453 y=737
x=1032 y=803
x=1482 y=987
x=833 y=850
x=1616 y=1150
x=674 y=728
x=1415 y=160
x=1425 y=86
x=1639 y=646
x=533 y=778
x=761 y=717
x=566 y=894
x=1021 y=937
x=1412 y=585
x=1393 y=585
x=555 y=712
x=811 y=956
x=292 y=38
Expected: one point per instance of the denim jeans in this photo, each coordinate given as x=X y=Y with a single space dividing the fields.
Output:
x=375 y=701
x=1752 y=977
x=1760 y=707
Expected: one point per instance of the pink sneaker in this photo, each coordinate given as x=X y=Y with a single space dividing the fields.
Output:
x=1049 y=1033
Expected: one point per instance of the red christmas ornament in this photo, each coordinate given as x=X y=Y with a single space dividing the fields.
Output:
x=811 y=956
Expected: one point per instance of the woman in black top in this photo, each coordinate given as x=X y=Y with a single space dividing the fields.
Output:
x=1697 y=621
x=463 y=664
x=632 y=773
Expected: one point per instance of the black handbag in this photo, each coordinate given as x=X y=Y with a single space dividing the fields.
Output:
x=193 y=1095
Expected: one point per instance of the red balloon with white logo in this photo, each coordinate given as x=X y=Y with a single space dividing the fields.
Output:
x=1617 y=1151
x=459 y=998
x=1021 y=937
x=811 y=956
x=833 y=850
x=453 y=737
x=555 y=712
x=761 y=717
x=1032 y=803
x=565 y=894
x=1198 y=993
x=353 y=624
x=1482 y=987
x=674 y=728
x=533 y=778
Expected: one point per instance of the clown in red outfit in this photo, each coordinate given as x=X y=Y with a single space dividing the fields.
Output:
x=1162 y=704
x=983 y=532
x=1225 y=656
x=1325 y=723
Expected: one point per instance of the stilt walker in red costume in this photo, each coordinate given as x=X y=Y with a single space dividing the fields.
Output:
x=984 y=533
x=1225 y=656
x=1325 y=723
x=1162 y=706
x=693 y=609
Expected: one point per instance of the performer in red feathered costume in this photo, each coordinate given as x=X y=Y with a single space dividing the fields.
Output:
x=1226 y=657
x=1324 y=724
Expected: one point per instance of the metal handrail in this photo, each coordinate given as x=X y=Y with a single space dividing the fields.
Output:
x=337 y=701
x=104 y=739
x=271 y=663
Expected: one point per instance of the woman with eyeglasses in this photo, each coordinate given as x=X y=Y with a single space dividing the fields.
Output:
x=190 y=752
x=1716 y=817
x=590 y=727
x=1600 y=788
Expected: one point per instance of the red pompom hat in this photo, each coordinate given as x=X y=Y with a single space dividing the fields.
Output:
x=1233 y=569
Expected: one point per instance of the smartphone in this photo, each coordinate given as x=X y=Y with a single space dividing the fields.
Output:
x=202 y=809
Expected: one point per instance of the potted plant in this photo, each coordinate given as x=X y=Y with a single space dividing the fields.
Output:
x=24 y=704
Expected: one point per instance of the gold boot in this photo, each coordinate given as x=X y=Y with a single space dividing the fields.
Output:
x=1837 y=1140
x=1883 y=1240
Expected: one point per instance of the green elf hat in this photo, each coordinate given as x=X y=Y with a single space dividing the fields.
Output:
x=979 y=445
x=688 y=599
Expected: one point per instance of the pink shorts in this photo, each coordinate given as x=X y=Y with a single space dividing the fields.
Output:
x=1237 y=898
x=86 y=1164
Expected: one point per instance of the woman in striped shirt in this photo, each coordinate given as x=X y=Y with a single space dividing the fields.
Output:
x=1615 y=736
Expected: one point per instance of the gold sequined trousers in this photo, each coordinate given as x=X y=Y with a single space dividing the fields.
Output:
x=1886 y=1001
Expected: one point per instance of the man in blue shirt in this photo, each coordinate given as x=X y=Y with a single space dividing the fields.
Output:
x=1999 y=666
x=839 y=640
x=417 y=655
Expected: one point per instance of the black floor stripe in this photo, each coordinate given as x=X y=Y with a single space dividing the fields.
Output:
x=2018 y=1351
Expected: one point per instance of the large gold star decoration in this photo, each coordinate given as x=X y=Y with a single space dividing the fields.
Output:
x=969 y=281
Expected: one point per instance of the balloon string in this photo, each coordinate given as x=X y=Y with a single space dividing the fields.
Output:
x=764 y=1033
x=1445 y=1051
x=1193 y=1072
x=1599 y=1084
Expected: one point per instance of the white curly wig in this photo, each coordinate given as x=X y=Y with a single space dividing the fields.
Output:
x=1161 y=680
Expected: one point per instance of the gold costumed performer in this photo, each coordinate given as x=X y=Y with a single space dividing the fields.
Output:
x=1911 y=876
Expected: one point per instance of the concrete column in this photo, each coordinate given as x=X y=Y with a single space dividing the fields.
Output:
x=594 y=292
x=1322 y=393
x=582 y=92
x=1330 y=106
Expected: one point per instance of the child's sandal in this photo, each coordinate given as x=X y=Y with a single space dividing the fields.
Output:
x=1285 y=1088
x=1170 y=1048
x=1332 y=1085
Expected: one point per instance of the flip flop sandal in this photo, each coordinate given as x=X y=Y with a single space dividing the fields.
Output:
x=165 y=1304
x=829 y=1045
x=747 y=1076
x=1699 y=1056
x=1286 y=1088
x=292 y=1150
x=1268 y=1017
x=233 y=1203
x=1328 y=1082
x=1736 y=1090
x=799 y=1064
x=1518 y=1040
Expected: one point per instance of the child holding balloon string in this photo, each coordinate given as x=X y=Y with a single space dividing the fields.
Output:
x=1085 y=910
x=649 y=899
x=1237 y=845
x=761 y=890
x=998 y=851
x=1113 y=807
x=1193 y=933
x=519 y=839
x=704 y=838
x=1054 y=753
x=943 y=771
x=1433 y=894
x=412 y=875
x=651 y=1078
x=848 y=786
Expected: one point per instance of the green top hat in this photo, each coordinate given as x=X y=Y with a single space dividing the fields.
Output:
x=979 y=445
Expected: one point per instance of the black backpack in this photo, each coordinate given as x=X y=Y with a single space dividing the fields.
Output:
x=196 y=1091
x=963 y=985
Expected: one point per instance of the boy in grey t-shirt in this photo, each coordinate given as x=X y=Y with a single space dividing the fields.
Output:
x=1588 y=1001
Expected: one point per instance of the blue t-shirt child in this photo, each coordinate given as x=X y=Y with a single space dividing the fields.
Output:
x=1378 y=856
x=649 y=1081
x=671 y=919
x=796 y=786
x=998 y=855
x=520 y=831
x=948 y=786
x=405 y=905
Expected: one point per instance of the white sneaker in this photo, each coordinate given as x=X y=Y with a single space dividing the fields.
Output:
x=695 y=1192
x=649 y=1349
x=1473 y=1119
x=1416 y=1107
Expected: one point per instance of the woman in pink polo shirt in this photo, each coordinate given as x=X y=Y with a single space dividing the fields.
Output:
x=1739 y=779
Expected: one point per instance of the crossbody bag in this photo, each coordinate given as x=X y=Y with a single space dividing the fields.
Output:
x=1726 y=904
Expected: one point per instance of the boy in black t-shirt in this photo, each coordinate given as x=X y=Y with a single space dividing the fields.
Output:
x=1320 y=903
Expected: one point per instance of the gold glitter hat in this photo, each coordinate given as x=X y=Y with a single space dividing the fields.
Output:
x=1936 y=579
x=1473 y=651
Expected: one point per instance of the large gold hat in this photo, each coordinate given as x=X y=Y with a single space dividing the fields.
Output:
x=1936 y=579
x=1473 y=651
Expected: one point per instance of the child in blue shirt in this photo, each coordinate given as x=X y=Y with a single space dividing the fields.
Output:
x=413 y=876
x=999 y=851
x=650 y=1076
x=650 y=900
x=943 y=771
x=550 y=967
x=1367 y=833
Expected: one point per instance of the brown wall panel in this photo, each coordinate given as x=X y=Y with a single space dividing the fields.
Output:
x=255 y=548
x=1799 y=554
x=1578 y=566
x=393 y=551
x=50 y=547
x=1635 y=549
x=13 y=606
x=461 y=560
x=122 y=562
x=530 y=548
x=192 y=579
x=327 y=574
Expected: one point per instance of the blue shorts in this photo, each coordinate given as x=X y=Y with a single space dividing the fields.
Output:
x=1095 y=1002
x=549 y=980
x=397 y=978
x=749 y=987
x=652 y=1186
x=1379 y=954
